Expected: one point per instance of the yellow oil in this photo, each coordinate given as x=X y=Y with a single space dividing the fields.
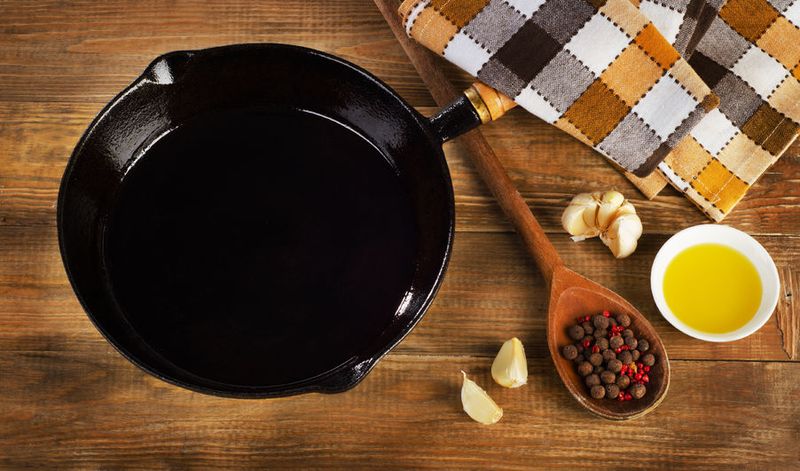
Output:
x=712 y=288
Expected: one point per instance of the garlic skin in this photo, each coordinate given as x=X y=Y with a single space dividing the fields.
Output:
x=606 y=214
x=510 y=367
x=477 y=404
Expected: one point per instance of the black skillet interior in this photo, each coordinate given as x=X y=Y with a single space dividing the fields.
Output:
x=256 y=220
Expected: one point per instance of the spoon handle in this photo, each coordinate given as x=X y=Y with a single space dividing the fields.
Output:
x=483 y=157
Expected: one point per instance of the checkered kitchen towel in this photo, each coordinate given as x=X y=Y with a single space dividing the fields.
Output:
x=686 y=23
x=750 y=56
x=596 y=69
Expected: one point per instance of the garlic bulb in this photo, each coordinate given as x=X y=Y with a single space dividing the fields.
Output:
x=510 y=367
x=477 y=404
x=607 y=214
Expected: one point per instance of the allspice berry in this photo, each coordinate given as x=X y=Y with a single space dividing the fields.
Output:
x=612 y=390
x=600 y=322
x=644 y=345
x=631 y=342
x=598 y=369
x=627 y=333
x=595 y=359
x=592 y=380
x=625 y=357
x=600 y=333
x=608 y=355
x=602 y=343
x=585 y=368
x=570 y=352
x=623 y=319
x=598 y=392
x=635 y=354
x=616 y=342
x=576 y=332
x=638 y=390
x=587 y=327
x=607 y=377
x=623 y=381
x=648 y=359
x=615 y=366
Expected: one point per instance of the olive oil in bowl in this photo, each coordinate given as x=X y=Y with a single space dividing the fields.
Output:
x=712 y=288
x=715 y=283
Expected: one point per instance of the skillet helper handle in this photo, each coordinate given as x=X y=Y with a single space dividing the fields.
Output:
x=483 y=157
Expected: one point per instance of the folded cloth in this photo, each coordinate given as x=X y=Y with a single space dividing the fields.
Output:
x=697 y=164
x=597 y=69
x=750 y=56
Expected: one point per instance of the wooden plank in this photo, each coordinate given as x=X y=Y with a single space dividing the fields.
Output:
x=80 y=411
x=491 y=292
x=547 y=166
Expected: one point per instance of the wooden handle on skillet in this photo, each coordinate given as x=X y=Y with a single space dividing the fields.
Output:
x=488 y=102
x=483 y=157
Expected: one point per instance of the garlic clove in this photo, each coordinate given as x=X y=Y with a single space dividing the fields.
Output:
x=477 y=404
x=623 y=235
x=610 y=202
x=510 y=367
x=573 y=223
x=590 y=216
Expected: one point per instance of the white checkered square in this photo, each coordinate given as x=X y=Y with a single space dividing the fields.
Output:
x=536 y=104
x=673 y=177
x=466 y=53
x=760 y=71
x=665 y=19
x=598 y=43
x=665 y=106
x=526 y=7
x=793 y=13
x=714 y=131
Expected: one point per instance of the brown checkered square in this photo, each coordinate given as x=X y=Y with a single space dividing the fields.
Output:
x=750 y=18
x=597 y=112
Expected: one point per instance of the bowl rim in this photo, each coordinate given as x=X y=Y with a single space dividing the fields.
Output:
x=730 y=237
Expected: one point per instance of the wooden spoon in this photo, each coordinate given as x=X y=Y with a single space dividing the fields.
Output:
x=571 y=295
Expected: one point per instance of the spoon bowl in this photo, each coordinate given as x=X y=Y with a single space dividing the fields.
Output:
x=573 y=296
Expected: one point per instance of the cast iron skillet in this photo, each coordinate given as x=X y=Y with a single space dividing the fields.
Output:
x=179 y=86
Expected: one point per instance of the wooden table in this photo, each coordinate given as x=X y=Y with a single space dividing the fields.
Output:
x=68 y=400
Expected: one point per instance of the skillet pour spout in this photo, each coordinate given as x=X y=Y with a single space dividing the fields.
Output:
x=259 y=220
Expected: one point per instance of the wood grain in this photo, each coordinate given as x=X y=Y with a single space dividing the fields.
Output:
x=69 y=401
x=60 y=410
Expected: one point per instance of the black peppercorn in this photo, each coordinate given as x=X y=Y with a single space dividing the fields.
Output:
x=625 y=357
x=615 y=366
x=627 y=333
x=635 y=354
x=587 y=327
x=608 y=355
x=648 y=359
x=595 y=359
x=623 y=320
x=631 y=342
x=598 y=392
x=612 y=391
x=585 y=368
x=592 y=380
x=570 y=352
x=638 y=390
x=602 y=343
x=576 y=332
x=600 y=322
x=598 y=369
x=644 y=345
x=607 y=377
x=600 y=333
x=579 y=359
x=623 y=381
x=615 y=342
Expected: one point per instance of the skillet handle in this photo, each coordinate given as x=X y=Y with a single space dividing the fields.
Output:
x=479 y=104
